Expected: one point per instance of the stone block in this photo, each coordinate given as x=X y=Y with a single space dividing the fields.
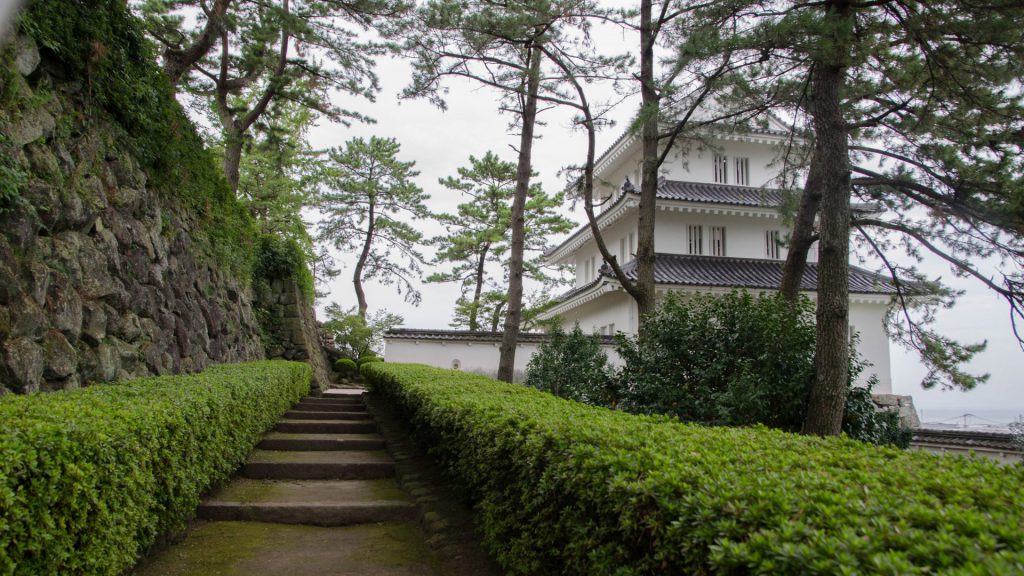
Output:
x=94 y=322
x=127 y=327
x=64 y=307
x=108 y=362
x=25 y=364
x=26 y=55
x=31 y=125
x=886 y=400
x=61 y=357
x=27 y=318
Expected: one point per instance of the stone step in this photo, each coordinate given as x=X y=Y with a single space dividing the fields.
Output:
x=304 y=415
x=312 y=502
x=261 y=549
x=344 y=401
x=329 y=407
x=326 y=426
x=318 y=465
x=298 y=442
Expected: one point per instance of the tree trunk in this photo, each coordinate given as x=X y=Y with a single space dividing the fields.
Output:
x=178 y=62
x=803 y=236
x=232 y=160
x=831 y=358
x=496 y=316
x=509 y=339
x=357 y=275
x=649 y=175
x=475 y=309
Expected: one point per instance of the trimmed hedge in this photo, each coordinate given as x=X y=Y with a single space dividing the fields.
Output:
x=565 y=488
x=346 y=367
x=90 y=478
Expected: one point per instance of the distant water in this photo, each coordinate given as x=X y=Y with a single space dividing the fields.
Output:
x=968 y=418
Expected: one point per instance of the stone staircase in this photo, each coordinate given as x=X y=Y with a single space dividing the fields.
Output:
x=317 y=497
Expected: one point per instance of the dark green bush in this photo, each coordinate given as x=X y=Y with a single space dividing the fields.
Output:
x=368 y=362
x=346 y=367
x=736 y=359
x=572 y=365
x=89 y=478
x=565 y=488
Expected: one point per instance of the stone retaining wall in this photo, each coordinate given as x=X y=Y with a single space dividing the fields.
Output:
x=291 y=328
x=100 y=278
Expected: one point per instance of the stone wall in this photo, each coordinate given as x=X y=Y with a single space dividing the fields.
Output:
x=904 y=405
x=291 y=331
x=100 y=276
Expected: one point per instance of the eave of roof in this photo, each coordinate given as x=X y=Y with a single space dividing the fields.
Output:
x=481 y=336
x=714 y=273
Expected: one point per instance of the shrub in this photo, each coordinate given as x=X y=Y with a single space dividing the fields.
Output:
x=89 y=478
x=735 y=359
x=565 y=488
x=722 y=359
x=572 y=366
x=346 y=367
x=368 y=363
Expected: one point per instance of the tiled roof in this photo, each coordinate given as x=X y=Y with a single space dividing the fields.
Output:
x=718 y=193
x=721 y=272
x=746 y=273
x=467 y=335
x=977 y=439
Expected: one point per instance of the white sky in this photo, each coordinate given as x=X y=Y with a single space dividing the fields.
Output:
x=440 y=142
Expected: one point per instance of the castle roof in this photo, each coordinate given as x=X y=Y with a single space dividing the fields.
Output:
x=723 y=272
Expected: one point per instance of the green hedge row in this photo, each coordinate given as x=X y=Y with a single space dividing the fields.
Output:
x=565 y=488
x=90 y=478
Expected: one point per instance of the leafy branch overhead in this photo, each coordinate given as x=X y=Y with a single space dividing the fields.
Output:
x=240 y=58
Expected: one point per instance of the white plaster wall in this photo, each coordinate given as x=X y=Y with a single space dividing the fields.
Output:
x=477 y=357
x=611 y=308
x=869 y=321
x=695 y=165
x=480 y=357
x=692 y=163
x=744 y=235
x=612 y=235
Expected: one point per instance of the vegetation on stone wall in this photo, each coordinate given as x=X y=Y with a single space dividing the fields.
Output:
x=565 y=488
x=90 y=478
x=100 y=49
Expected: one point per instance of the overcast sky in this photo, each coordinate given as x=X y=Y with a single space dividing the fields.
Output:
x=439 y=142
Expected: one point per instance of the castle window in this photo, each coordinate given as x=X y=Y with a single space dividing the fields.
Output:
x=695 y=238
x=622 y=250
x=772 y=244
x=718 y=240
x=743 y=171
x=720 y=163
x=632 y=251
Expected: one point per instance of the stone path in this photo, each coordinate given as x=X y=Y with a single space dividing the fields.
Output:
x=317 y=497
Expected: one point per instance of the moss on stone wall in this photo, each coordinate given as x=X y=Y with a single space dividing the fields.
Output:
x=100 y=48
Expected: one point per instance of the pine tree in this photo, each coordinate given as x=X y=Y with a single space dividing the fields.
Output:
x=477 y=235
x=238 y=57
x=367 y=191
